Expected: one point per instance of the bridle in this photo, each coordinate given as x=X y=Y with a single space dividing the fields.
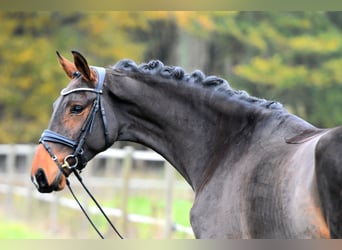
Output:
x=76 y=161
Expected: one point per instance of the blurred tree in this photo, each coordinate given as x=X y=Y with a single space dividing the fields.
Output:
x=298 y=63
x=293 y=57
x=30 y=76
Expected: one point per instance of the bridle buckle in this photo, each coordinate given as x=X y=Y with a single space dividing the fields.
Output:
x=67 y=164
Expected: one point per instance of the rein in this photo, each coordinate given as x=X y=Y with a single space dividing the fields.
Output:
x=76 y=161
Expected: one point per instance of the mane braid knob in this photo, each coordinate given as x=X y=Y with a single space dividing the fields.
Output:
x=213 y=81
x=127 y=65
x=196 y=77
x=166 y=72
x=153 y=67
x=178 y=73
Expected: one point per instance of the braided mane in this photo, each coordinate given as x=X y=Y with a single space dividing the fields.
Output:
x=156 y=67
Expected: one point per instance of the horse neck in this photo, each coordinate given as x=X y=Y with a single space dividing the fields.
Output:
x=186 y=124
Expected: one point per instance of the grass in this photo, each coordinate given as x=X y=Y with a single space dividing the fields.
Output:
x=73 y=224
x=38 y=219
x=152 y=207
x=17 y=230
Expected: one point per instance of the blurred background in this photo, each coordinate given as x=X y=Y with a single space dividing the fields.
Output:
x=291 y=57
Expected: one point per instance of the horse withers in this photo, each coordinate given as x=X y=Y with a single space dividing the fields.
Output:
x=257 y=171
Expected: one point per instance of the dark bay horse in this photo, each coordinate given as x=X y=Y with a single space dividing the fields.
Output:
x=257 y=170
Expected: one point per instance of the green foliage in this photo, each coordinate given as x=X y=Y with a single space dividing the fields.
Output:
x=30 y=76
x=16 y=230
x=289 y=52
x=273 y=55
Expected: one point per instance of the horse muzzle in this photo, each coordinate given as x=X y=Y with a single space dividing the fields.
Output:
x=45 y=175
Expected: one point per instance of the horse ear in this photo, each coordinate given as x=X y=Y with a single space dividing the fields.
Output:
x=66 y=65
x=83 y=67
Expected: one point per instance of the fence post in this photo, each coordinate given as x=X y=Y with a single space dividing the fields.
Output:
x=110 y=172
x=30 y=187
x=53 y=213
x=10 y=165
x=126 y=170
x=86 y=201
x=169 y=178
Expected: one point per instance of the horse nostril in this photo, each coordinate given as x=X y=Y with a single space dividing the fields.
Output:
x=40 y=179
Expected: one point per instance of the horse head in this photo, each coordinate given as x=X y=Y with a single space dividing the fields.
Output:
x=74 y=133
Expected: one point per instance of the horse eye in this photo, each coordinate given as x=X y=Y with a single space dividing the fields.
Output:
x=76 y=109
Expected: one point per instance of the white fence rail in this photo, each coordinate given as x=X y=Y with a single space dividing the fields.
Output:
x=14 y=181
